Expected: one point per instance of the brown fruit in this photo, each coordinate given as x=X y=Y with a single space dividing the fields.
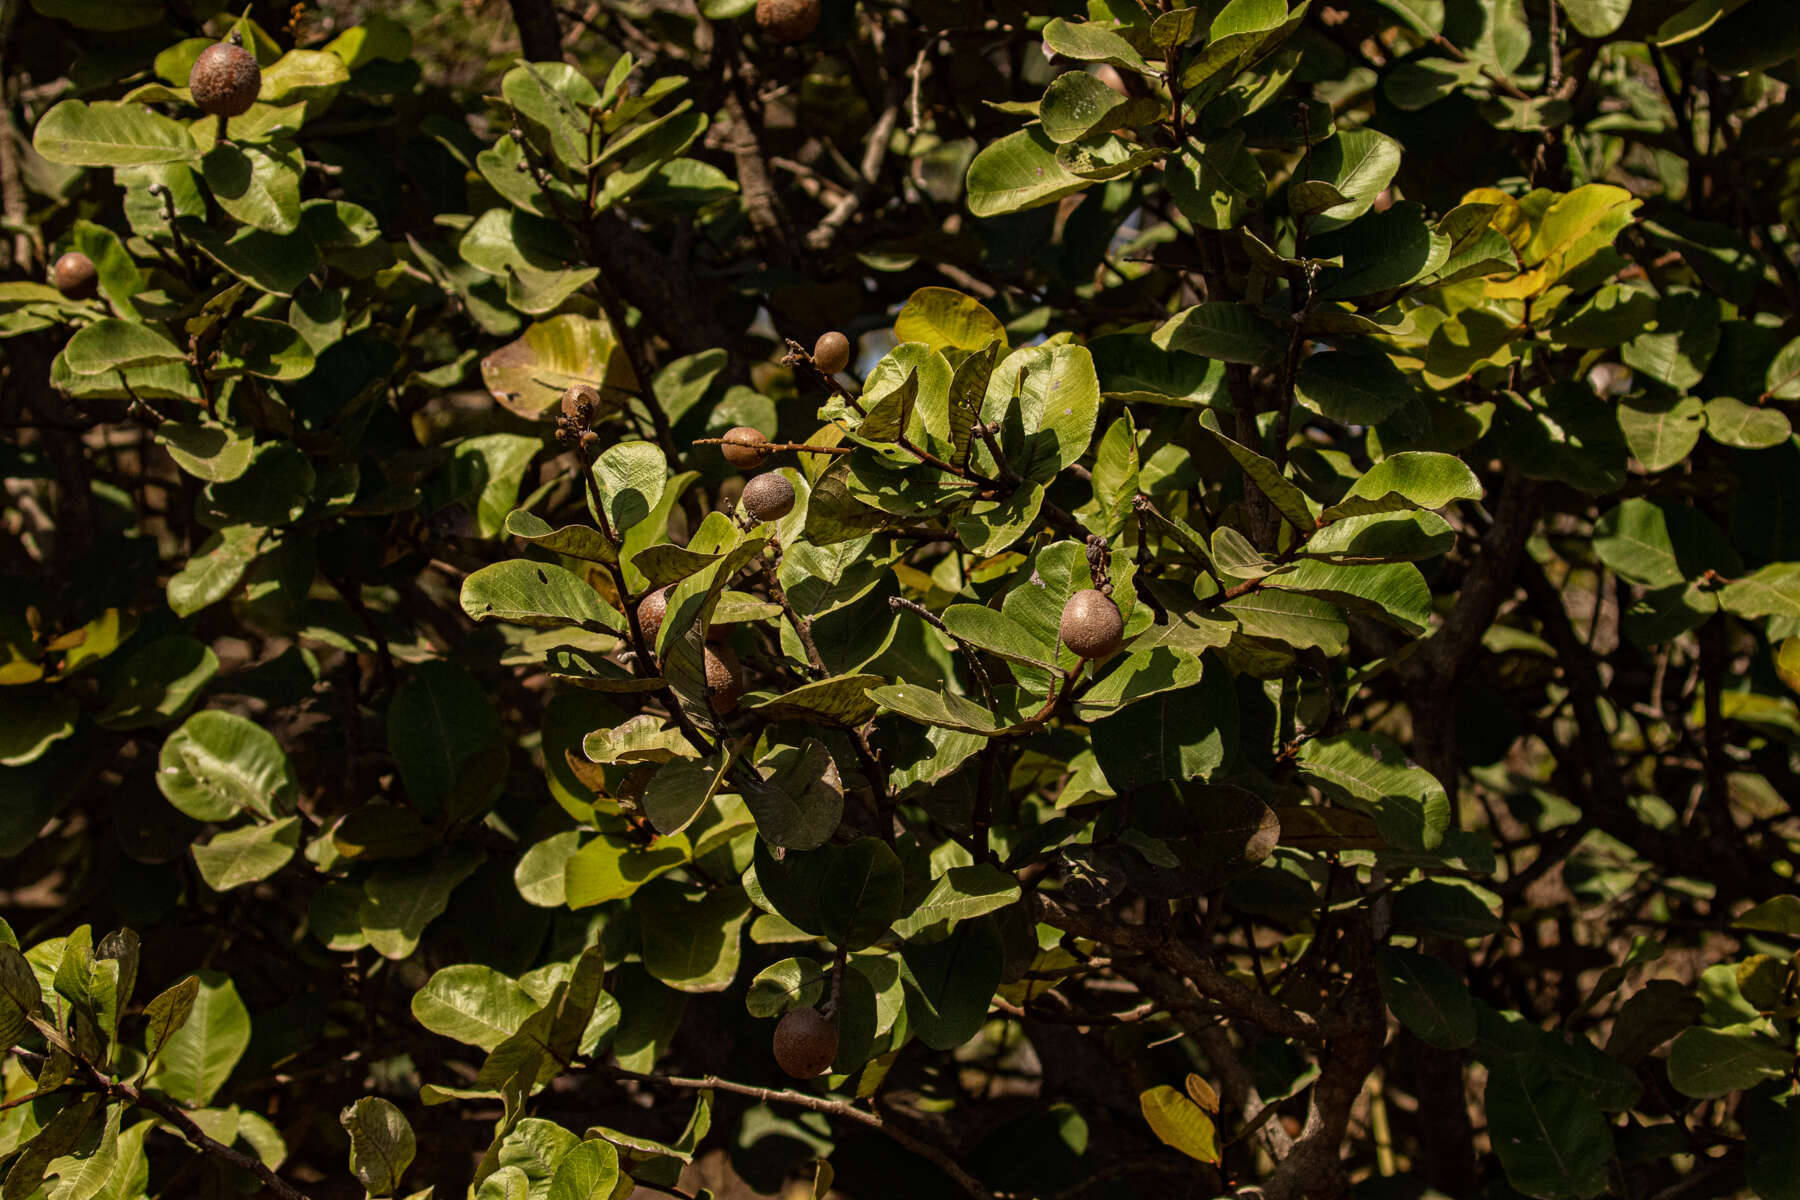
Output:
x=578 y=397
x=806 y=1040
x=225 y=80
x=789 y=20
x=768 y=497
x=724 y=678
x=75 y=276
x=831 y=353
x=1091 y=624
x=651 y=611
x=742 y=448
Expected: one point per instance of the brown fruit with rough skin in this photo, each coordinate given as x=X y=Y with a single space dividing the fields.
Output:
x=225 y=80
x=578 y=396
x=831 y=353
x=76 y=276
x=742 y=448
x=724 y=679
x=789 y=20
x=1091 y=624
x=806 y=1041
x=768 y=497
x=651 y=611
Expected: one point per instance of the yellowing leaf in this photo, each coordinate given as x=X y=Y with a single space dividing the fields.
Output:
x=1180 y=1123
x=1203 y=1093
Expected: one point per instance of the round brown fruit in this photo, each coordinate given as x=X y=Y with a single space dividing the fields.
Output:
x=724 y=678
x=769 y=497
x=831 y=353
x=580 y=395
x=743 y=448
x=225 y=80
x=75 y=276
x=806 y=1041
x=789 y=20
x=651 y=611
x=1091 y=624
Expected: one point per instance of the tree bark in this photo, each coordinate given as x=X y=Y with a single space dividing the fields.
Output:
x=540 y=33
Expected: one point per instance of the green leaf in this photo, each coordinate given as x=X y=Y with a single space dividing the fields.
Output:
x=796 y=806
x=167 y=1013
x=1355 y=388
x=611 y=868
x=960 y=894
x=401 y=898
x=1178 y=1122
x=860 y=893
x=198 y=1056
x=1224 y=330
x=1773 y=590
x=437 y=721
x=108 y=134
x=1553 y=1142
x=1778 y=914
x=215 y=453
x=1217 y=185
x=1018 y=172
x=1090 y=41
x=219 y=764
x=1783 y=376
x=789 y=984
x=943 y=318
x=679 y=791
x=29 y=726
x=949 y=984
x=1771 y=1146
x=274 y=262
x=631 y=476
x=1186 y=734
x=541 y=595
x=541 y=875
x=1661 y=431
x=472 y=1004
x=381 y=1143
x=1706 y=1063
x=1077 y=105
x=1288 y=499
x=247 y=855
x=840 y=700
x=257 y=185
x=110 y=344
x=1633 y=539
x=576 y=541
x=1358 y=163
x=1596 y=18
x=552 y=100
x=1731 y=422
x=691 y=943
x=588 y=1172
x=1368 y=772
x=20 y=994
x=1395 y=593
x=215 y=569
x=1427 y=996
x=1413 y=479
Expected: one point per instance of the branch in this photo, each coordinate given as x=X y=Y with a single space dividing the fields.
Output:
x=1490 y=580
x=184 y=1124
x=540 y=33
x=1237 y=999
x=818 y=1104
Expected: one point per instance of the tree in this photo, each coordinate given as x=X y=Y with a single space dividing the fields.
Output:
x=1260 y=663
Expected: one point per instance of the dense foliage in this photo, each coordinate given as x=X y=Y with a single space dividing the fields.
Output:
x=492 y=703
